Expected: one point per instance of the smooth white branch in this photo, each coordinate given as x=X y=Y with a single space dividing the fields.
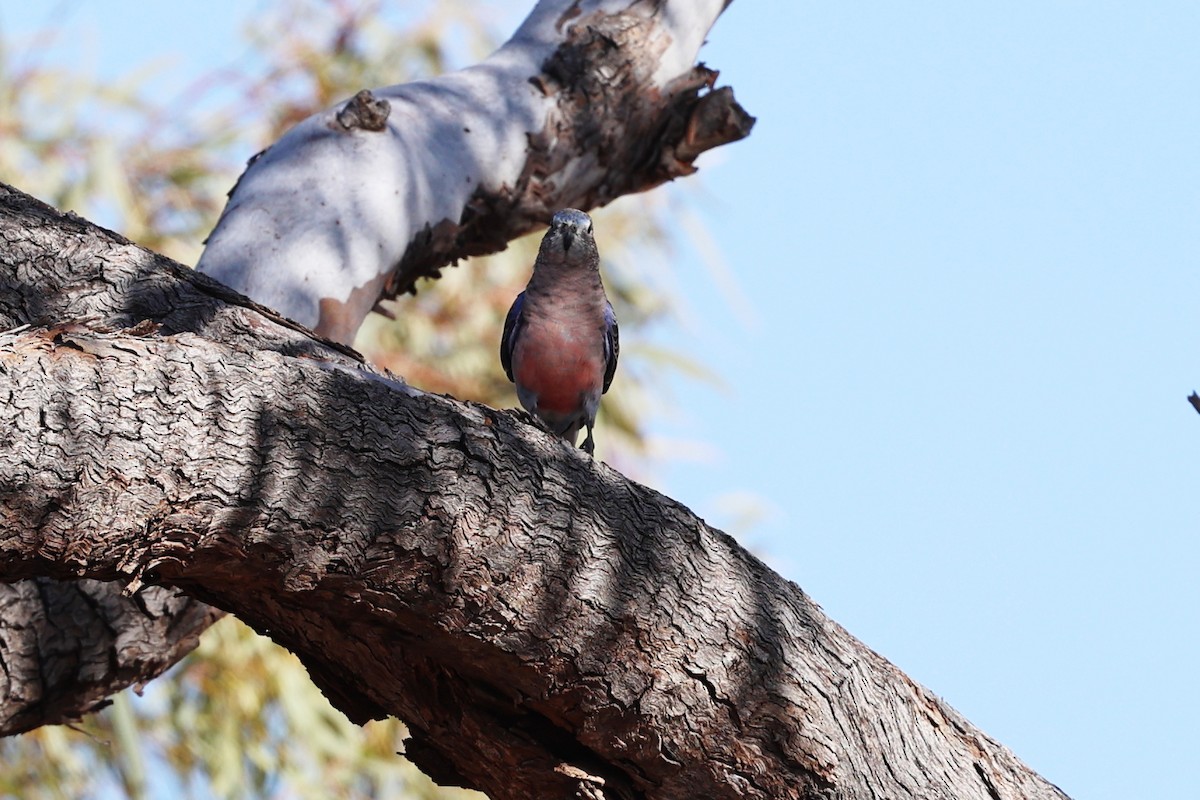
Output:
x=586 y=102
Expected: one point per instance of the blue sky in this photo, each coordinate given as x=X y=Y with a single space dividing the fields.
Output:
x=972 y=236
x=969 y=237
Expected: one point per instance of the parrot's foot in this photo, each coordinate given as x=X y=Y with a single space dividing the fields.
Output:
x=588 y=445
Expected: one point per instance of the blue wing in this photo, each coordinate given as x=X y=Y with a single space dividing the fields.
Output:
x=612 y=344
x=513 y=324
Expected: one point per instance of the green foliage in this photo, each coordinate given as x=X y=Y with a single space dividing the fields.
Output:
x=239 y=717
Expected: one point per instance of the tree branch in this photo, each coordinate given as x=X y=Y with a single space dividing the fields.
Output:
x=64 y=647
x=600 y=98
x=545 y=627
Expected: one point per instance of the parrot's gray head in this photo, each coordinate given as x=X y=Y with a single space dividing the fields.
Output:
x=569 y=239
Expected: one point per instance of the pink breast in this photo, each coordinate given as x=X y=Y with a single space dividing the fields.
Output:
x=559 y=374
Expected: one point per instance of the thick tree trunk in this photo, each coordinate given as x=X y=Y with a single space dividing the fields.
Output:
x=587 y=102
x=546 y=627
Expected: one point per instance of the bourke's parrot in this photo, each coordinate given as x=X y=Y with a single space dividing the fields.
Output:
x=560 y=341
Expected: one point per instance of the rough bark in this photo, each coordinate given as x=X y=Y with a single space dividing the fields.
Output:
x=64 y=647
x=600 y=98
x=546 y=627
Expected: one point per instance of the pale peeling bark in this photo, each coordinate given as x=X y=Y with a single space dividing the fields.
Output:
x=588 y=101
x=546 y=627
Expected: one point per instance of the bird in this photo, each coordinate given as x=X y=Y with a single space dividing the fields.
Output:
x=561 y=341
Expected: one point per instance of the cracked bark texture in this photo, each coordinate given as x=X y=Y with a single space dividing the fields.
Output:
x=546 y=627
x=66 y=646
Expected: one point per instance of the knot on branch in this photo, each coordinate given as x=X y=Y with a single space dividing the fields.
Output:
x=365 y=112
